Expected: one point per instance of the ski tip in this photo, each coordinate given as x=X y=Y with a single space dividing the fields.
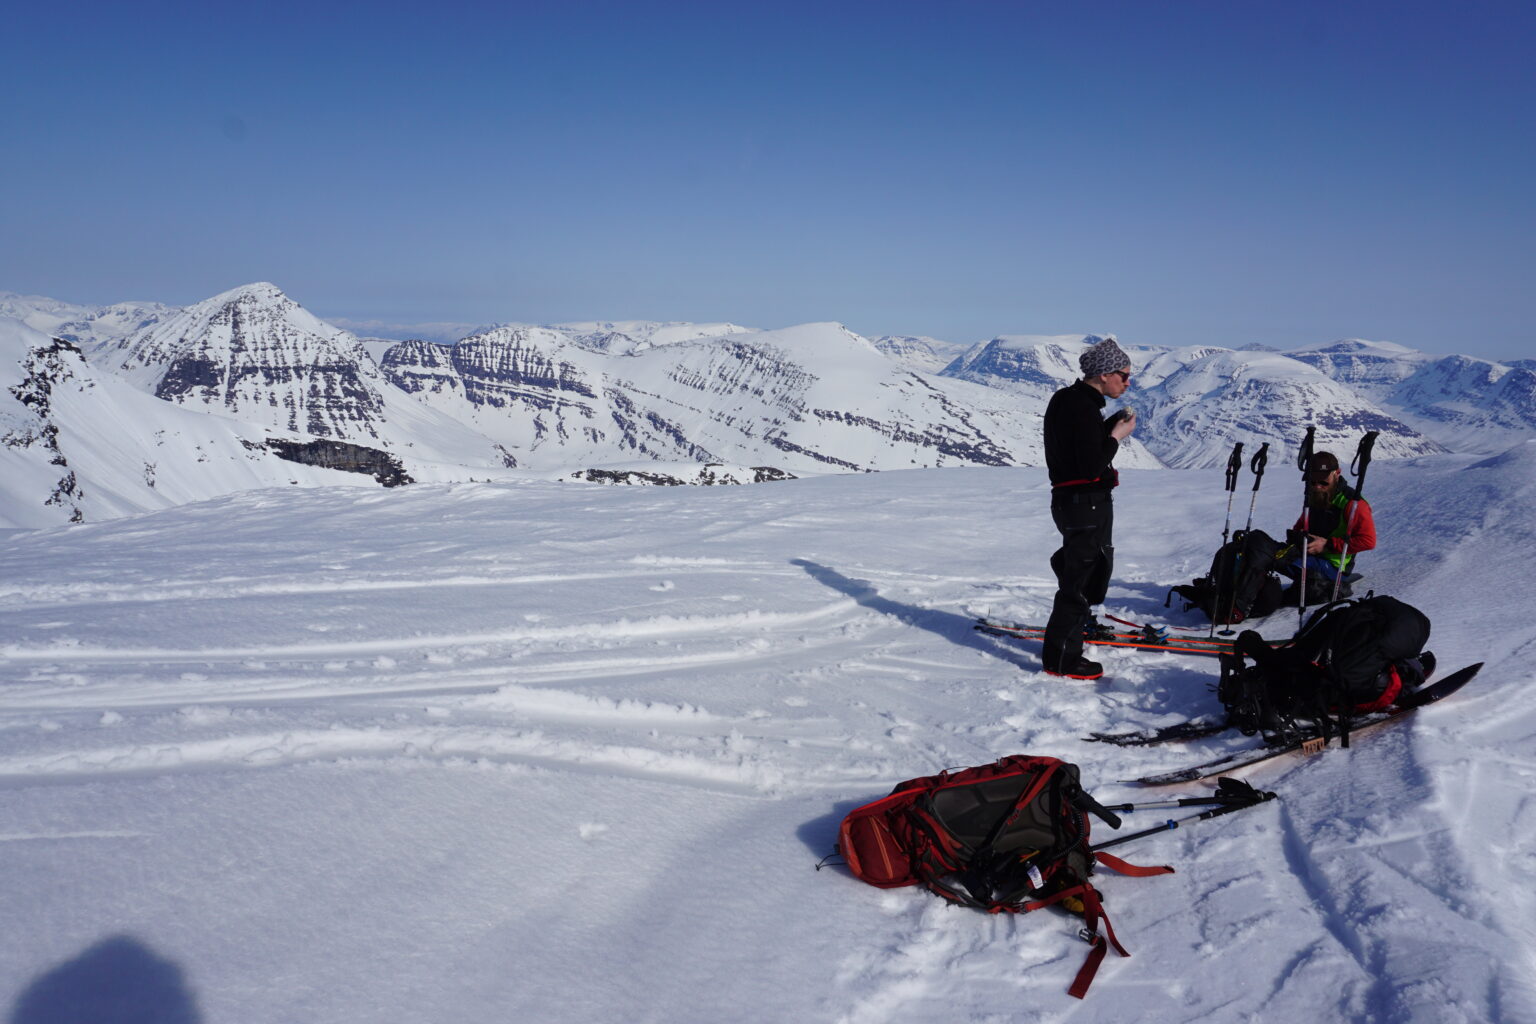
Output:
x=1169 y=778
x=1445 y=686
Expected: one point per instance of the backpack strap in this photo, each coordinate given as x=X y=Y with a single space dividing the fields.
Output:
x=1093 y=912
x=1119 y=866
x=1388 y=696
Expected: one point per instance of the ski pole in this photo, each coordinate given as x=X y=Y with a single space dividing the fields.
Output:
x=1256 y=464
x=1224 y=807
x=1234 y=466
x=1358 y=467
x=1228 y=791
x=1302 y=458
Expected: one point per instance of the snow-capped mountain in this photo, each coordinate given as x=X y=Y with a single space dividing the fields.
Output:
x=110 y=324
x=917 y=352
x=1031 y=365
x=40 y=312
x=1193 y=403
x=1192 y=416
x=1466 y=404
x=255 y=355
x=81 y=445
x=811 y=398
x=628 y=337
x=1372 y=369
x=561 y=400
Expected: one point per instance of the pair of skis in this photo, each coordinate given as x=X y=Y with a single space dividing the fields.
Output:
x=1147 y=638
x=1430 y=694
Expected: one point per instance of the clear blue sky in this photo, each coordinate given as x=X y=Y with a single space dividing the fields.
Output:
x=1176 y=172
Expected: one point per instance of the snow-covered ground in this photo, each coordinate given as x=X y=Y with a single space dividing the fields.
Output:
x=558 y=752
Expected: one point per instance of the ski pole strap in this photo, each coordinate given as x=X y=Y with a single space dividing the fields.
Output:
x=1234 y=465
x=1257 y=463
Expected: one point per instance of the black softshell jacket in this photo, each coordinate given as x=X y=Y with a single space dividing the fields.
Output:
x=1078 y=447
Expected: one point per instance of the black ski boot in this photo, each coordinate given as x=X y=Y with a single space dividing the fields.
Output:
x=1080 y=669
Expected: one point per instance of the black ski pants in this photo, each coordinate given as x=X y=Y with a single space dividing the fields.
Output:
x=1083 y=566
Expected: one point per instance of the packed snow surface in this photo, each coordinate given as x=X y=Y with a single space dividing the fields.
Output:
x=553 y=752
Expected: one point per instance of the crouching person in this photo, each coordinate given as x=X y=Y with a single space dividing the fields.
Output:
x=1335 y=526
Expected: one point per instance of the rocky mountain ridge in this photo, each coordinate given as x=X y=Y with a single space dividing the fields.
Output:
x=563 y=400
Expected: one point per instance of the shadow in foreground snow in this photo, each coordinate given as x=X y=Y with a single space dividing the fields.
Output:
x=957 y=629
x=116 y=981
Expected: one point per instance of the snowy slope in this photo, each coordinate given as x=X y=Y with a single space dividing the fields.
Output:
x=535 y=752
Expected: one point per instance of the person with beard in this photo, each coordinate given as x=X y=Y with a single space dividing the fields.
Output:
x=1336 y=526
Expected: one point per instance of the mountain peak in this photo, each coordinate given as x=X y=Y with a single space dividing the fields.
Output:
x=261 y=292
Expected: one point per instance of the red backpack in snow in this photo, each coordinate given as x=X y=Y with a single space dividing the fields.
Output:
x=1006 y=837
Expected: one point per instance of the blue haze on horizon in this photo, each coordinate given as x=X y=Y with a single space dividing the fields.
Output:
x=1198 y=172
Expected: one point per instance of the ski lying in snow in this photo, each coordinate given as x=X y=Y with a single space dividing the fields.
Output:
x=1311 y=745
x=1168 y=734
x=1148 y=639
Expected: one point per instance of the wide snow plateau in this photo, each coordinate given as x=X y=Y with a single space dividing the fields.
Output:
x=554 y=752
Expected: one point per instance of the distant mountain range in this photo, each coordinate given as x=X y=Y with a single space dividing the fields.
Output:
x=107 y=411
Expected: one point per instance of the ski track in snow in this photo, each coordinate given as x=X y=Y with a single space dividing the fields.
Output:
x=637 y=664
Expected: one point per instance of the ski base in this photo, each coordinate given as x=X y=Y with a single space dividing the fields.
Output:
x=1177 y=733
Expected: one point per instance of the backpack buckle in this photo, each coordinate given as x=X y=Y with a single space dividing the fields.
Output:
x=1088 y=935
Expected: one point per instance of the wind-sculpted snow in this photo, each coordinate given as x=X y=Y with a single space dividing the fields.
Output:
x=431 y=753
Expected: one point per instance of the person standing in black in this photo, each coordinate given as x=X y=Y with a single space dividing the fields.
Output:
x=1080 y=446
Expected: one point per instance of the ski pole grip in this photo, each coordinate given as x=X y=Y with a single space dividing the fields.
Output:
x=1234 y=465
x=1257 y=463
x=1305 y=454
x=1084 y=802
x=1363 y=457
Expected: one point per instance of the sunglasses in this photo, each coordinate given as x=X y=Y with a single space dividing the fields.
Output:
x=1124 y=375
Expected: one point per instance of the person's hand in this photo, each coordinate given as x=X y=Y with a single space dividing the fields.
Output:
x=1123 y=426
x=1316 y=545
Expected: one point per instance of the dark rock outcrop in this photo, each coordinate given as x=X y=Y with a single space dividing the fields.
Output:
x=349 y=458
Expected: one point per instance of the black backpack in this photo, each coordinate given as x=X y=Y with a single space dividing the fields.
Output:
x=1351 y=658
x=1241 y=584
